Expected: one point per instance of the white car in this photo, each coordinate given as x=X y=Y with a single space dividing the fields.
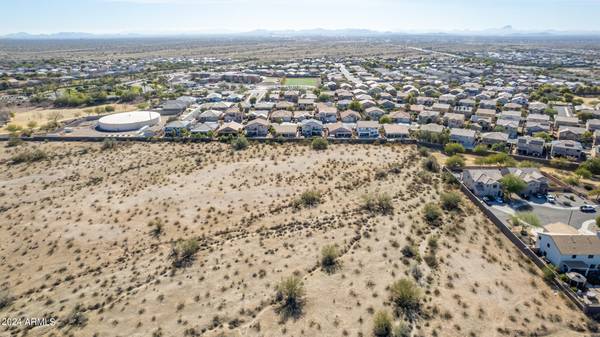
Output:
x=551 y=199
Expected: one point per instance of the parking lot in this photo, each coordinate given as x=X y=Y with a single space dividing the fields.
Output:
x=564 y=209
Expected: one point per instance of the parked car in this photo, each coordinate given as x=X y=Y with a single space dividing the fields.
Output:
x=486 y=200
x=551 y=199
x=587 y=208
x=499 y=200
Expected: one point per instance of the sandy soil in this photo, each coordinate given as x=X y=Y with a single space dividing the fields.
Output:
x=77 y=235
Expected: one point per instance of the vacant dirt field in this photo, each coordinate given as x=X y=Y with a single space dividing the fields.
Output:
x=81 y=243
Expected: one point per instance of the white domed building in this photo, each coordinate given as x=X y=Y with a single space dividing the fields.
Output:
x=128 y=121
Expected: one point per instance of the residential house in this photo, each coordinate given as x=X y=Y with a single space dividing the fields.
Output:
x=396 y=131
x=327 y=113
x=536 y=182
x=511 y=115
x=230 y=128
x=386 y=104
x=204 y=129
x=285 y=130
x=482 y=112
x=233 y=114
x=374 y=113
x=493 y=138
x=173 y=107
x=338 y=130
x=466 y=137
x=468 y=102
x=264 y=114
x=465 y=110
x=532 y=128
x=428 y=116
x=483 y=182
x=571 y=252
x=177 y=128
x=284 y=105
x=300 y=115
x=367 y=129
x=306 y=104
x=570 y=133
x=508 y=126
x=538 y=118
x=530 y=146
x=210 y=116
x=566 y=148
x=488 y=104
x=484 y=123
x=592 y=125
x=349 y=116
x=311 y=128
x=441 y=107
x=367 y=103
x=454 y=120
x=281 y=116
x=537 y=107
x=566 y=121
x=257 y=128
x=400 y=117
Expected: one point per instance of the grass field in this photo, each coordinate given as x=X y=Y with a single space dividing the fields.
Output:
x=312 y=81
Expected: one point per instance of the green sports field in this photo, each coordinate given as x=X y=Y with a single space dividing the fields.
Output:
x=312 y=81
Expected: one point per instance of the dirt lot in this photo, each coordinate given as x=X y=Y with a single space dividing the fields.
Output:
x=42 y=116
x=77 y=245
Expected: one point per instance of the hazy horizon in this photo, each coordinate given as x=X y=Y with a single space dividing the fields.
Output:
x=235 y=16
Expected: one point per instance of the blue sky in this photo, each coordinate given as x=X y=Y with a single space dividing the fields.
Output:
x=172 y=16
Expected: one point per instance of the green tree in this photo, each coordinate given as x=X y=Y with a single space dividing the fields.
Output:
x=513 y=184
x=455 y=162
x=385 y=119
x=355 y=105
x=454 y=148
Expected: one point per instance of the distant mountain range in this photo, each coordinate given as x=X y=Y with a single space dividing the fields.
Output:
x=317 y=32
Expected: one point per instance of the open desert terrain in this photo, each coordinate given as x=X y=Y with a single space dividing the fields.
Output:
x=91 y=235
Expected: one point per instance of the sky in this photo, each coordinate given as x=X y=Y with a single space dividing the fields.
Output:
x=212 y=16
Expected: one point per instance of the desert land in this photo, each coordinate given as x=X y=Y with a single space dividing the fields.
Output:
x=91 y=235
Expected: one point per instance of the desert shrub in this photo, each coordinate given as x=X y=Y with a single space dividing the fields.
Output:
x=290 y=296
x=406 y=296
x=431 y=164
x=583 y=173
x=423 y=151
x=240 y=143
x=28 y=156
x=432 y=213
x=76 y=318
x=402 y=330
x=377 y=203
x=449 y=178
x=450 y=200
x=497 y=158
x=480 y=149
x=319 y=143
x=380 y=174
x=455 y=162
x=453 y=148
x=549 y=273
x=156 y=227
x=309 y=198
x=329 y=255
x=109 y=144
x=409 y=251
x=14 y=141
x=5 y=299
x=184 y=252
x=382 y=324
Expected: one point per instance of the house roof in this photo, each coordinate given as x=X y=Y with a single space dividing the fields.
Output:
x=578 y=244
x=560 y=228
x=485 y=176
x=367 y=124
x=462 y=132
x=395 y=129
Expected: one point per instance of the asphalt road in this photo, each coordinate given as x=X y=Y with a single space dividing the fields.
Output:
x=549 y=213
